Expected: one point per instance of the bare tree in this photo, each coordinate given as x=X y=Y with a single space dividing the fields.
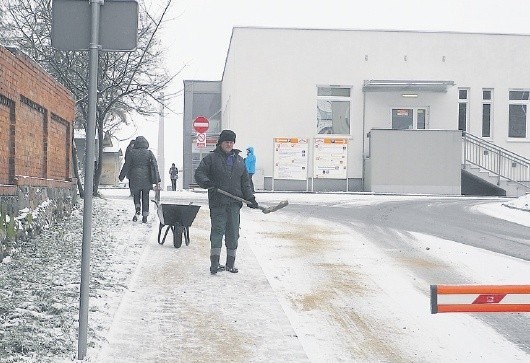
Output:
x=127 y=81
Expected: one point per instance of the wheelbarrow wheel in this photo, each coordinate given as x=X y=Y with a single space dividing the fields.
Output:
x=177 y=235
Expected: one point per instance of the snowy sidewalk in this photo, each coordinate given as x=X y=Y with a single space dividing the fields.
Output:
x=295 y=301
x=175 y=311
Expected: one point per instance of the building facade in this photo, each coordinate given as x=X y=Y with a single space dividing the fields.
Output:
x=201 y=98
x=307 y=99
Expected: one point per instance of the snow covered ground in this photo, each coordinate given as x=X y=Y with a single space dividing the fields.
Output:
x=333 y=294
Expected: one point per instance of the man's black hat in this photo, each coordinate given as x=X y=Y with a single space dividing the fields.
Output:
x=226 y=135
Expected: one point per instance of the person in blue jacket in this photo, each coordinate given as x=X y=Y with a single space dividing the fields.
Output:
x=250 y=164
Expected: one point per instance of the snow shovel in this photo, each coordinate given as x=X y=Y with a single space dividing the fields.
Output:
x=265 y=210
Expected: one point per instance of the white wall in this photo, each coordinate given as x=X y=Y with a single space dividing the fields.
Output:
x=271 y=78
x=414 y=161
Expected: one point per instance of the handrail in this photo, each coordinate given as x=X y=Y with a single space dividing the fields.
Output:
x=495 y=159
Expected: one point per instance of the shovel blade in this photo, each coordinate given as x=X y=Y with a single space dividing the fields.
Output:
x=274 y=208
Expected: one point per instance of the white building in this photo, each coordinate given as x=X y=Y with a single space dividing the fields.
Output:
x=311 y=103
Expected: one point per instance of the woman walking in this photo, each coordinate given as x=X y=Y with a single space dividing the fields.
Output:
x=139 y=166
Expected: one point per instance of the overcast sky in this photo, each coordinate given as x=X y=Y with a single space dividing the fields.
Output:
x=198 y=32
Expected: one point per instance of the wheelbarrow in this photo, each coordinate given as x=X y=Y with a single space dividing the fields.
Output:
x=178 y=218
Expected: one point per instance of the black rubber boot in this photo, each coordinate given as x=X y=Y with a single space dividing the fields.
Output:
x=230 y=260
x=214 y=264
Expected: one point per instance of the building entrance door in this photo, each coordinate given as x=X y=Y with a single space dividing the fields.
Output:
x=409 y=118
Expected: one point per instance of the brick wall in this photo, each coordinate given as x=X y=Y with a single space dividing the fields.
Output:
x=36 y=124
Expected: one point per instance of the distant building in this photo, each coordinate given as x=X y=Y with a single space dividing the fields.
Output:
x=201 y=98
x=316 y=104
x=112 y=158
x=111 y=163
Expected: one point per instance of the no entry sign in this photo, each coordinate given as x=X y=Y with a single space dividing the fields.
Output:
x=201 y=124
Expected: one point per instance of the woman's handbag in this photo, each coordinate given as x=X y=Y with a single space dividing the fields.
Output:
x=153 y=172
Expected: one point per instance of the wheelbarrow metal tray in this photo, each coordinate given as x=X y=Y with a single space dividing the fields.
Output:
x=177 y=214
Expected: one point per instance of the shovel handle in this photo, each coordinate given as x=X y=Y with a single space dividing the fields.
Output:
x=263 y=209
x=233 y=196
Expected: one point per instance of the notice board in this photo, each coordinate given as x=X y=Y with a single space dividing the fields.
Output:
x=290 y=158
x=330 y=158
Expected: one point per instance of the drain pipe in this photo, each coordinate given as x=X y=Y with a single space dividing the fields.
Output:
x=364 y=138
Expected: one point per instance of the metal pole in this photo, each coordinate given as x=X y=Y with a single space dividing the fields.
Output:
x=499 y=167
x=364 y=141
x=161 y=161
x=89 y=177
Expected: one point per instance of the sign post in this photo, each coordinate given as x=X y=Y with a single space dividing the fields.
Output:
x=92 y=25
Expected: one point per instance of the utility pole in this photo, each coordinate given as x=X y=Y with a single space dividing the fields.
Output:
x=161 y=161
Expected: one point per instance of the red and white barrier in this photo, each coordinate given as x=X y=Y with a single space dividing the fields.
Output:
x=480 y=298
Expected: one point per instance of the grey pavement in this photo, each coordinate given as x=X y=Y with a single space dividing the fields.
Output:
x=175 y=311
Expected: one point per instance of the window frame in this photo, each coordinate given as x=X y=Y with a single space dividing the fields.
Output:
x=463 y=101
x=415 y=114
x=336 y=99
x=525 y=102
x=490 y=103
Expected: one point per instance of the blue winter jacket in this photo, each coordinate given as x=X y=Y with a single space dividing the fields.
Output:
x=250 y=160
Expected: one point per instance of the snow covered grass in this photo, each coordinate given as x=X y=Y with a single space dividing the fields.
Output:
x=39 y=283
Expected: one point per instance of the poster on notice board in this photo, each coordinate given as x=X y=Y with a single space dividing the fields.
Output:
x=330 y=158
x=290 y=158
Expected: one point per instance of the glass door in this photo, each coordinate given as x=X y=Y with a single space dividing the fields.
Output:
x=409 y=118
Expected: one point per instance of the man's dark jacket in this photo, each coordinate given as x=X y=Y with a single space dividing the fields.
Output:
x=213 y=171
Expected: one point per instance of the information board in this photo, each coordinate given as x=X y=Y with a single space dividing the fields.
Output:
x=290 y=158
x=330 y=158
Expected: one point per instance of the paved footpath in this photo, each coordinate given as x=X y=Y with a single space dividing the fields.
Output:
x=175 y=311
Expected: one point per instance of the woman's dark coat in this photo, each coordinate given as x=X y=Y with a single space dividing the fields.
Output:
x=214 y=171
x=136 y=167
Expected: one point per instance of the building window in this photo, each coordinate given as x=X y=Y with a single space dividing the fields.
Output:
x=333 y=110
x=462 y=109
x=421 y=118
x=487 y=104
x=409 y=118
x=517 y=118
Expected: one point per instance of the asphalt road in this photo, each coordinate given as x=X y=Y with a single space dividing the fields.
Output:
x=387 y=224
x=450 y=219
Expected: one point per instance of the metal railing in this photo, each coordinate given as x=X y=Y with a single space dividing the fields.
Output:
x=497 y=160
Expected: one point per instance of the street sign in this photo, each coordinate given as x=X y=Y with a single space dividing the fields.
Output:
x=201 y=140
x=201 y=124
x=118 y=28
